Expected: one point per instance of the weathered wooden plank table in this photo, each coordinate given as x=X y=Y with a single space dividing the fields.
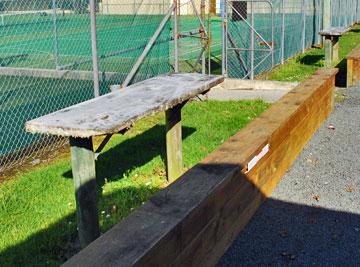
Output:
x=114 y=113
x=332 y=36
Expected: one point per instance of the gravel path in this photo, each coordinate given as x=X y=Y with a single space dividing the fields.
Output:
x=313 y=217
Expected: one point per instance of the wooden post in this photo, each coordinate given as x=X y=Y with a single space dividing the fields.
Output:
x=83 y=168
x=328 y=51
x=326 y=16
x=173 y=143
x=349 y=78
x=335 y=48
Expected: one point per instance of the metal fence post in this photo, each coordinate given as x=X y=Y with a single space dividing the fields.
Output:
x=283 y=32
x=203 y=45
x=304 y=27
x=319 y=14
x=252 y=41
x=272 y=35
x=176 y=36
x=55 y=32
x=224 y=37
x=94 y=48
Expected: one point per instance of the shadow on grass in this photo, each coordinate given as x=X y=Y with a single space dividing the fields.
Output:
x=355 y=30
x=319 y=235
x=121 y=159
x=58 y=242
x=341 y=76
x=314 y=60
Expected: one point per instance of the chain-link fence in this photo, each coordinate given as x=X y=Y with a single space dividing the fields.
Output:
x=51 y=59
x=47 y=57
x=263 y=33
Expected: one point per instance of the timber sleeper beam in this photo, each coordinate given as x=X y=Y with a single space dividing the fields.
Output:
x=353 y=67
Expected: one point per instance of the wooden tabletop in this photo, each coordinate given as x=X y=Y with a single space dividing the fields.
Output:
x=116 y=111
x=334 y=31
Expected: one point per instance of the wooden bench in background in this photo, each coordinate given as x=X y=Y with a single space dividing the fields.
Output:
x=332 y=36
x=353 y=67
x=115 y=113
x=194 y=220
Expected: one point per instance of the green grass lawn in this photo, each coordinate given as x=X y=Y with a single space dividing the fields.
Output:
x=304 y=65
x=37 y=210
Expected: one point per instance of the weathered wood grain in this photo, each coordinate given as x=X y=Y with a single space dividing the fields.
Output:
x=115 y=111
x=83 y=169
x=353 y=67
x=174 y=161
x=332 y=35
x=194 y=220
x=334 y=31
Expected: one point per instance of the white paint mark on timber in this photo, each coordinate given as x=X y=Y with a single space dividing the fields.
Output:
x=252 y=163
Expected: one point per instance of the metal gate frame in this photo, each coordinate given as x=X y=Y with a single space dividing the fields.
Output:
x=229 y=44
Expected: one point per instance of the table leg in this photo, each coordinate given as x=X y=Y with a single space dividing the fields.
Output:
x=174 y=164
x=328 y=51
x=335 y=49
x=83 y=168
x=350 y=73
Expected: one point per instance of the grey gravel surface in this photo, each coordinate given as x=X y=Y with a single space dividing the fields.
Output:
x=313 y=216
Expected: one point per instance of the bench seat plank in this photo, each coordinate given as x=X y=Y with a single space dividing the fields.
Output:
x=334 y=31
x=116 y=111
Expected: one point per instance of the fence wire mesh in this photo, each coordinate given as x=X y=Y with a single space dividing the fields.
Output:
x=46 y=57
x=263 y=33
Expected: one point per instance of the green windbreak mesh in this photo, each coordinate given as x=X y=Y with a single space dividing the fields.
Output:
x=290 y=26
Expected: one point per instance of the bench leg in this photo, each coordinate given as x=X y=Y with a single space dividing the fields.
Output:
x=350 y=69
x=174 y=162
x=328 y=51
x=335 y=49
x=83 y=168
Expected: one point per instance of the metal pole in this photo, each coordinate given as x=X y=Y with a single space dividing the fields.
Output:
x=283 y=33
x=203 y=44
x=304 y=27
x=252 y=41
x=209 y=40
x=318 y=11
x=176 y=36
x=272 y=35
x=94 y=48
x=55 y=30
x=224 y=37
